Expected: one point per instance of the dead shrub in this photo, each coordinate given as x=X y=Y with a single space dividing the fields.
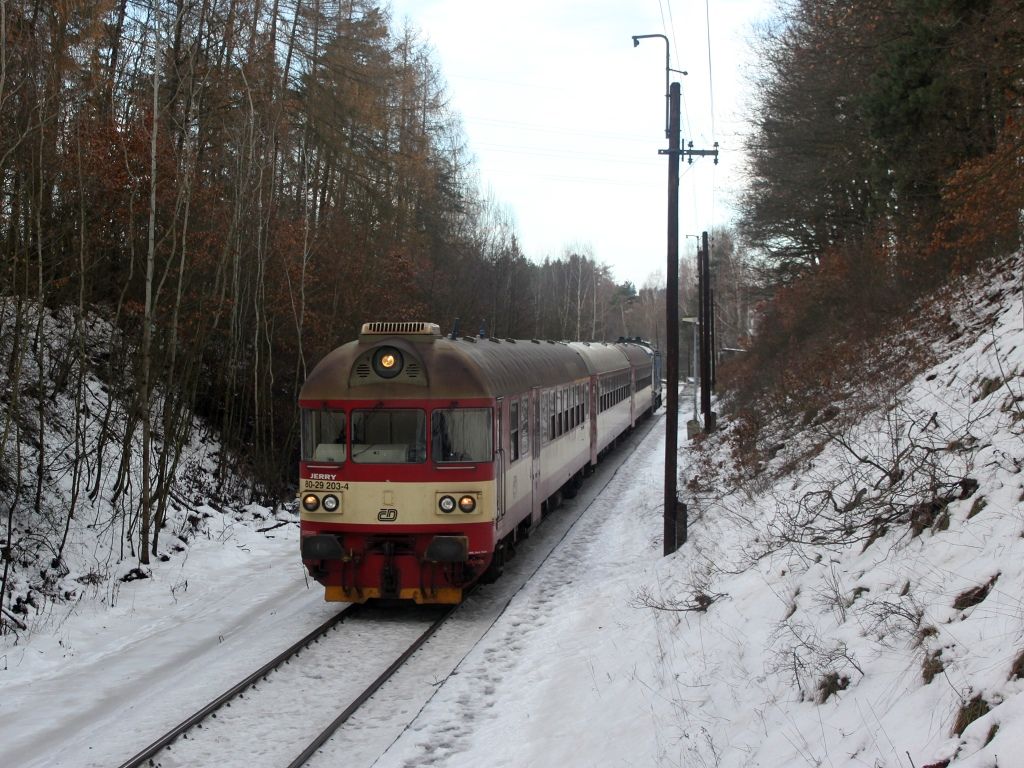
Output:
x=992 y=731
x=974 y=595
x=930 y=513
x=978 y=505
x=932 y=666
x=831 y=684
x=697 y=601
x=970 y=711
x=1017 y=669
x=987 y=387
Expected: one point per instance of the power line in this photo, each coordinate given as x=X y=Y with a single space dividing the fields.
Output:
x=560 y=153
x=564 y=131
x=711 y=82
x=529 y=86
x=672 y=28
x=670 y=32
x=520 y=174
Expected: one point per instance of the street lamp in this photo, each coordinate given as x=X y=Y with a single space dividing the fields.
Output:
x=636 y=42
x=672 y=505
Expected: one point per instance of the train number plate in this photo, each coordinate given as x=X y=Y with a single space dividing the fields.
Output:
x=323 y=485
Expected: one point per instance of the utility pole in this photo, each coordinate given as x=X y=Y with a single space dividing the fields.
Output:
x=672 y=327
x=673 y=509
x=706 y=321
x=714 y=339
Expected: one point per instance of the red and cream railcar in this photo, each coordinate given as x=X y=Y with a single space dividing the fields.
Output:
x=424 y=456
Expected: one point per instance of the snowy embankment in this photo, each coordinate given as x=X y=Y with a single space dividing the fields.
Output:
x=860 y=602
x=857 y=601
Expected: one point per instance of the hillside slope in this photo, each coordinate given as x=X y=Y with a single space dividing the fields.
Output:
x=864 y=588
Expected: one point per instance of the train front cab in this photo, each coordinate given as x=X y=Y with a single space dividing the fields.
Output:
x=398 y=497
x=386 y=462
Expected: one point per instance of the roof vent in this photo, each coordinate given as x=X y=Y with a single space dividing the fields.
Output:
x=401 y=329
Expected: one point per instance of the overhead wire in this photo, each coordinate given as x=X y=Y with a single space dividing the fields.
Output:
x=669 y=28
x=670 y=33
x=559 y=153
x=711 y=99
x=520 y=126
x=711 y=81
x=569 y=178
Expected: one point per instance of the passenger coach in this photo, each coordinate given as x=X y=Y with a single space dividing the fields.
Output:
x=425 y=457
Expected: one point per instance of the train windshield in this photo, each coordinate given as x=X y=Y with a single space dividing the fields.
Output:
x=323 y=435
x=389 y=436
x=461 y=434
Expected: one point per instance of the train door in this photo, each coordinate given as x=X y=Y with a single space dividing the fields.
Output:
x=535 y=495
x=499 y=443
x=632 y=397
x=593 y=390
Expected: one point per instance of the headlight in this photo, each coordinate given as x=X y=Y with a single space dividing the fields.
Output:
x=446 y=504
x=387 y=362
x=467 y=504
x=310 y=502
x=330 y=502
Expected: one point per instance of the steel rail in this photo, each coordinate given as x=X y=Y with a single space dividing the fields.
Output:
x=168 y=738
x=371 y=689
x=635 y=437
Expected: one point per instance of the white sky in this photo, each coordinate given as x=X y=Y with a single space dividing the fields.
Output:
x=566 y=117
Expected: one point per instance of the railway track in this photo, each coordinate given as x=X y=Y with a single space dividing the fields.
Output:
x=360 y=649
x=366 y=739
x=165 y=750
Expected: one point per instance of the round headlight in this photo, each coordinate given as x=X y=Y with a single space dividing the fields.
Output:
x=330 y=502
x=446 y=504
x=467 y=504
x=387 y=362
x=310 y=502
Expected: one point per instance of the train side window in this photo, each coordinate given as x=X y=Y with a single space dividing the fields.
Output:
x=513 y=435
x=323 y=435
x=524 y=430
x=549 y=414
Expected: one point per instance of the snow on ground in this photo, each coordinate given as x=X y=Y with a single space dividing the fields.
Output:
x=893 y=638
x=539 y=688
x=893 y=649
x=108 y=681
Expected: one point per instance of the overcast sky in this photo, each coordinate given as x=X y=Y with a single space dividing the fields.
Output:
x=565 y=117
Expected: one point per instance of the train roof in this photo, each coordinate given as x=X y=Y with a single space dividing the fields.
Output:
x=439 y=366
x=601 y=357
x=436 y=366
x=638 y=354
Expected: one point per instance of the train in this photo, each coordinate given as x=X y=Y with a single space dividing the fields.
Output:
x=425 y=457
